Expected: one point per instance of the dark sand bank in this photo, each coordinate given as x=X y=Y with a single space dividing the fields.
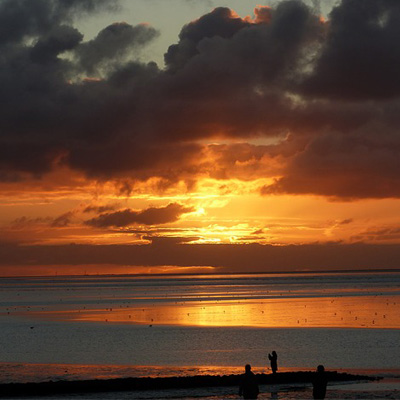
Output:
x=133 y=384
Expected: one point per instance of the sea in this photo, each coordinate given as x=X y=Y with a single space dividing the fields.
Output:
x=113 y=326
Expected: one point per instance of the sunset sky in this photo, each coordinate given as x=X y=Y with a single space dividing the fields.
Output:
x=142 y=136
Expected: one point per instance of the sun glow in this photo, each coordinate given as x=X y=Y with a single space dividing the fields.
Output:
x=218 y=211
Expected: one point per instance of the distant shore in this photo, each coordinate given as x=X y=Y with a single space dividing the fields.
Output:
x=207 y=274
x=134 y=384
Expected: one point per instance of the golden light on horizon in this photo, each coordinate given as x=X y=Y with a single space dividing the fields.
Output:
x=224 y=211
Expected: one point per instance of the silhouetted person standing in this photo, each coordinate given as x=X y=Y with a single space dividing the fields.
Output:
x=319 y=383
x=248 y=384
x=274 y=361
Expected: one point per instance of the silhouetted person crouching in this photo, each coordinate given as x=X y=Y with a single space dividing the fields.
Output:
x=274 y=361
x=248 y=384
x=319 y=383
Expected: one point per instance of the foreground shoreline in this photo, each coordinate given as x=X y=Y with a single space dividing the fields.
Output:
x=135 y=384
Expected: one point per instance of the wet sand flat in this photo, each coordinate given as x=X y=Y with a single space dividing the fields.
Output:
x=343 y=311
x=313 y=300
x=172 y=326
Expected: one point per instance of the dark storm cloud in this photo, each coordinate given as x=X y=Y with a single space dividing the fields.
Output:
x=361 y=56
x=331 y=87
x=232 y=85
x=113 y=45
x=150 y=216
x=21 y=19
x=59 y=39
x=221 y=22
x=45 y=118
x=365 y=163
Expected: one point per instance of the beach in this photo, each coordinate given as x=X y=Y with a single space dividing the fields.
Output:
x=104 y=327
x=187 y=187
x=286 y=383
x=289 y=385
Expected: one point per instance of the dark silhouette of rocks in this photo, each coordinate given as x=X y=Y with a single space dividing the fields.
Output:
x=133 y=384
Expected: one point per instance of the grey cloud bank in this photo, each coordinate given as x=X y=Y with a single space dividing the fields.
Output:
x=331 y=88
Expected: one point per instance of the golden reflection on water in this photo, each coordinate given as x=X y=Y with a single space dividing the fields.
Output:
x=348 y=312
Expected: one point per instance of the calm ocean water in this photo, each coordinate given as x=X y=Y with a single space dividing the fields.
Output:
x=115 y=326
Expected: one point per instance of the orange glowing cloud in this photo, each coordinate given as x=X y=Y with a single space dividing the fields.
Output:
x=272 y=129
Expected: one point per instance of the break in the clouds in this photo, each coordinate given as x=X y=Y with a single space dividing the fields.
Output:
x=327 y=92
x=150 y=216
